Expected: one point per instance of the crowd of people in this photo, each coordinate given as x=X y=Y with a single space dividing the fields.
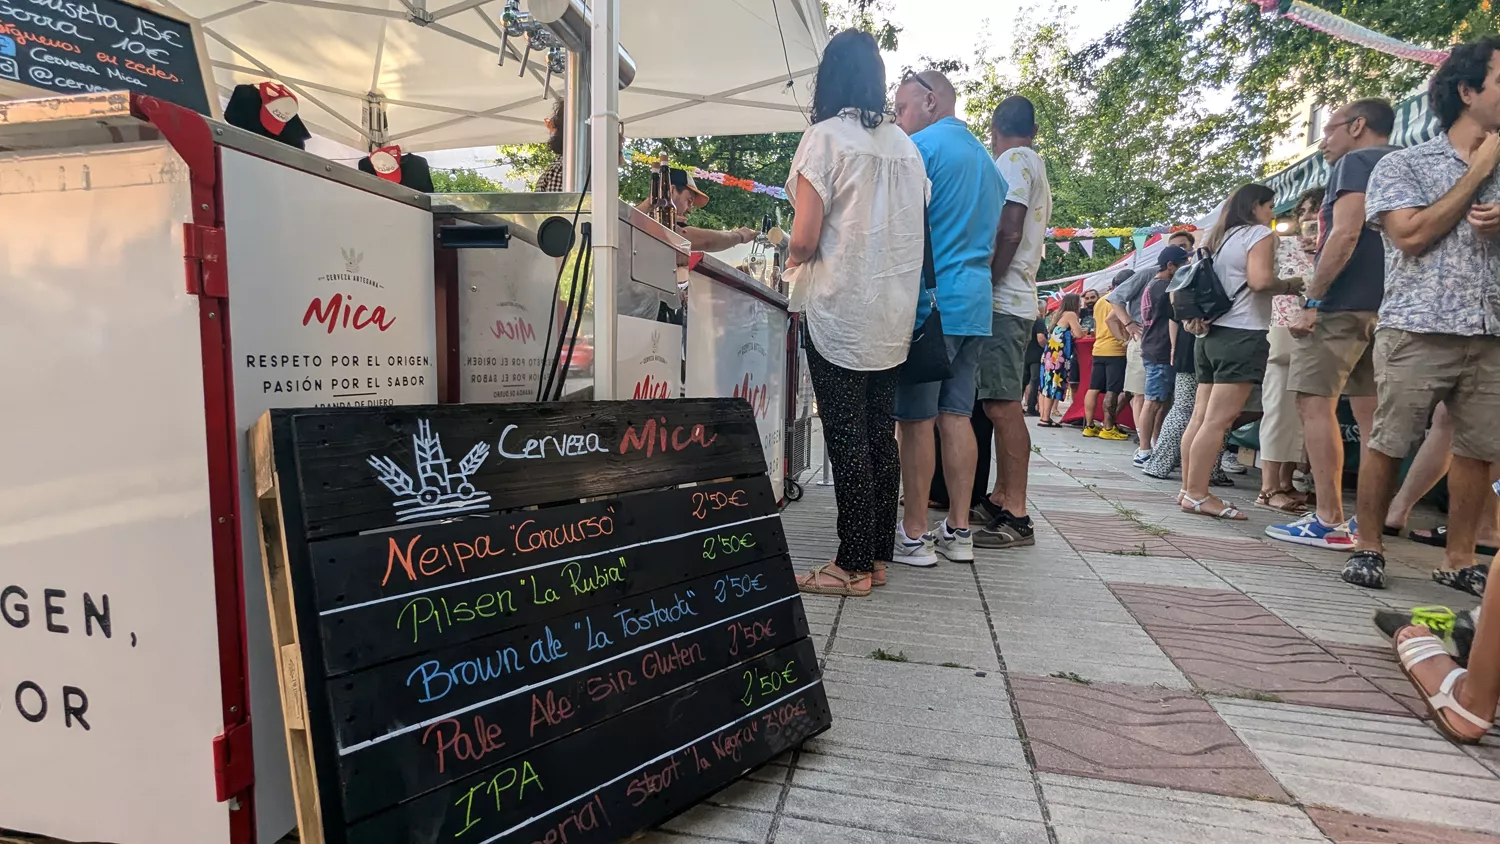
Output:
x=1389 y=297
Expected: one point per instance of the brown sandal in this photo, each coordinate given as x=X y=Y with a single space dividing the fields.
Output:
x=877 y=577
x=845 y=585
x=1291 y=504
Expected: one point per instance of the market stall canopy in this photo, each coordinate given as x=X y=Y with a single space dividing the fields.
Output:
x=702 y=66
x=1415 y=123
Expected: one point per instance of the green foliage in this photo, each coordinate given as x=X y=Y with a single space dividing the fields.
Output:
x=1070 y=140
x=1159 y=120
x=872 y=16
x=525 y=161
x=463 y=180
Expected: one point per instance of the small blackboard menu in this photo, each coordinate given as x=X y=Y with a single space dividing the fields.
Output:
x=527 y=623
x=101 y=45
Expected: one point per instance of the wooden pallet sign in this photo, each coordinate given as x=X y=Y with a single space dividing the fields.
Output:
x=510 y=624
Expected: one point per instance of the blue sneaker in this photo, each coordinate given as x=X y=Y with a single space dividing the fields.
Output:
x=1310 y=530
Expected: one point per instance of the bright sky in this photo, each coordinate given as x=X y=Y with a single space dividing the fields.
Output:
x=961 y=28
x=964 y=25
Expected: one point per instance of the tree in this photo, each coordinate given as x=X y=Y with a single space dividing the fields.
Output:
x=525 y=161
x=1175 y=51
x=872 y=16
x=463 y=180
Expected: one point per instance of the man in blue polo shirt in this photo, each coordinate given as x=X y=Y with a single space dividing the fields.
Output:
x=964 y=213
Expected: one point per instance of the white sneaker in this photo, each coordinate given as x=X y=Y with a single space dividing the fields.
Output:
x=1230 y=463
x=956 y=546
x=1141 y=456
x=914 y=552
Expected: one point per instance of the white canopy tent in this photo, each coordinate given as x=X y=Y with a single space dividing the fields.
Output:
x=702 y=66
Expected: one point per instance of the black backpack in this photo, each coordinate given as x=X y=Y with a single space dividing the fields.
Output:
x=1197 y=292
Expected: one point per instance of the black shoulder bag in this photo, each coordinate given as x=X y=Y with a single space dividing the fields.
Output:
x=927 y=360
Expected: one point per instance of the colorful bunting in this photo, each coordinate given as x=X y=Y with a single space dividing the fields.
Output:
x=717 y=178
x=1140 y=240
x=1343 y=29
x=1063 y=245
x=1113 y=241
x=1114 y=234
x=1088 y=246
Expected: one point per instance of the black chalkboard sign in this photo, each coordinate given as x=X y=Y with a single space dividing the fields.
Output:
x=527 y=623
x=101 y=45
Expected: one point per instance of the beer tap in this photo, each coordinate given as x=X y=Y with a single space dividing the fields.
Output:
x=513 y=23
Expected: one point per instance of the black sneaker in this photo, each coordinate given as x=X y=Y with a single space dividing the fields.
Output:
x=985 y=511
x=1005 y=531
x=1365 y=568
x=1456 y=629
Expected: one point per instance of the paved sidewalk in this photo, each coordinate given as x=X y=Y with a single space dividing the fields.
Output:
x=1140 y=675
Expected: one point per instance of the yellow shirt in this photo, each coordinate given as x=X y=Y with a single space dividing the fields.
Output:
x=1105 y=344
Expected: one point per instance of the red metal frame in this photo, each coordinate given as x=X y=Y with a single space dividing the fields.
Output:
x=191 y=136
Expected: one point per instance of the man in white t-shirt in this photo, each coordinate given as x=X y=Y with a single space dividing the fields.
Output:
x=1002 y=362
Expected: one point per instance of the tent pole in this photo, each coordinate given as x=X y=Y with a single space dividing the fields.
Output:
x=576 y=121
x=605 y=73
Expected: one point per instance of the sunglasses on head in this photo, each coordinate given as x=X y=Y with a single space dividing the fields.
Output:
x=913 y=76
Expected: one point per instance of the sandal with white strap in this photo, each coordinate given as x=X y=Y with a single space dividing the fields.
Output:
x=1195 y=506
x=1419 y=649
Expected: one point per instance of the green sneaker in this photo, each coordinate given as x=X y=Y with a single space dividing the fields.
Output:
x=1456 y=629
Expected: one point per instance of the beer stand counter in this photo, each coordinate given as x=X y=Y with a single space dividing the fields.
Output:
x=170 y=279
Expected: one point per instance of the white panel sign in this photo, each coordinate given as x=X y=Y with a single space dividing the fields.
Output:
x=109 y=651
x=505 y=301
x=736 y=347
x=649 y=359
x=330 y=304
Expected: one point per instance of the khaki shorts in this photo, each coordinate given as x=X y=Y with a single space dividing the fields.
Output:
x=1416 y=371
x=1135 y=369
x=1002 y=358
x=1337 y=358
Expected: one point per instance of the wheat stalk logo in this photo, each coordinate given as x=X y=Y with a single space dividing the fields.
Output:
x=438 y=490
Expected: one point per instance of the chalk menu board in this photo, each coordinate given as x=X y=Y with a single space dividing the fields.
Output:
x=101 y=45
x=527 y=622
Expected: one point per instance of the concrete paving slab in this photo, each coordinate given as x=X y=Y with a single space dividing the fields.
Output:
x=1364 y=763
x=1089 y=811
x=1147 y=736
x=1159 y=571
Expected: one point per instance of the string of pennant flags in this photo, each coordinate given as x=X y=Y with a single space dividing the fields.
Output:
x=1115 y=236
x=1064 y=237
x=717 y=178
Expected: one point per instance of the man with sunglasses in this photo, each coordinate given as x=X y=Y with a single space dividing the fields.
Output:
x=963 y=214
x=1333 y=336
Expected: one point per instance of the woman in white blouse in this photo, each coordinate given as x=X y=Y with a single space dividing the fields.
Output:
x=858 y=187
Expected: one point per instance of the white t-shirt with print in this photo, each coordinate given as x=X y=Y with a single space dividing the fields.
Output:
x=859 y=290
x=1250 y=310
x=1026 y=179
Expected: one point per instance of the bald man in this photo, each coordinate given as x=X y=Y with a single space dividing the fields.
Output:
x=964 y=212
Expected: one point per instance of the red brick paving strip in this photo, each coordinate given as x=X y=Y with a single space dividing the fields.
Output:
x=1379 y=666
x=1344 y=828
x=1226 y=643
x=1138 y=735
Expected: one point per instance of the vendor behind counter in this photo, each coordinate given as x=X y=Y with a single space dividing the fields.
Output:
x=685 y=197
